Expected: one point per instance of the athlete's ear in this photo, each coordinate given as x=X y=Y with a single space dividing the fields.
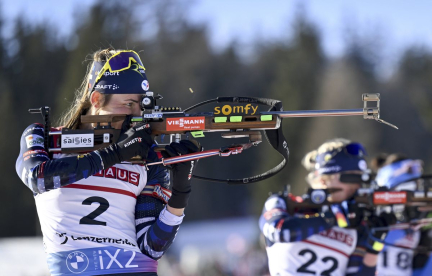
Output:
x=95 y=99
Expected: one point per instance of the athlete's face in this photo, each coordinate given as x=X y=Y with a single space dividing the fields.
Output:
x=128 y=104
x=331 y=181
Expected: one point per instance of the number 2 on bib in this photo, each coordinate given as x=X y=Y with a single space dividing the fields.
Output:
x=90 y=218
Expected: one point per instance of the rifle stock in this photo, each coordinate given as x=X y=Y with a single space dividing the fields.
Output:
x=173 y=122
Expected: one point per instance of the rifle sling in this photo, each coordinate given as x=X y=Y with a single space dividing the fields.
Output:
x=274 y=136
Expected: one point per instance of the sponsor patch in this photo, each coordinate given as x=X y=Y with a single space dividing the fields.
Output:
x=120 y=174
x=145 y=85
x=318 y=196
x=107 y=86
x=66 y=239
x=275 y=202
x=185 y=123
x=36 y=155
x=228 y=109
x=34 y=140
x=111 y=73
x=329 y=169
x=272 y=213
x=362 y=165
x=33 y=129
x=133 y=141
x=153 y=115
x=389 y=197
x=31 y=152
x=77 y=262
x=339 y=236
x=77 y=140
x=157 y=191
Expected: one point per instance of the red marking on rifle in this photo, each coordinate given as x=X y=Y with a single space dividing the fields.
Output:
x=389 y=197
x=185 y=123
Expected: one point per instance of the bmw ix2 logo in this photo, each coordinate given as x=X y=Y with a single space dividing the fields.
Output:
x=77 y=262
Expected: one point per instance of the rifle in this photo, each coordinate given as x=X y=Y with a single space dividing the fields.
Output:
x=367 y=197
x=173 y=122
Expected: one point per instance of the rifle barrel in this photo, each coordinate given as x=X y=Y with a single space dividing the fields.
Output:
x=316 y=113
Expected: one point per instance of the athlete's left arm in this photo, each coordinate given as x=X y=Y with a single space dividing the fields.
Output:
x=156 y=227
x=367 y=266
x=361 y=262
x=422 y=261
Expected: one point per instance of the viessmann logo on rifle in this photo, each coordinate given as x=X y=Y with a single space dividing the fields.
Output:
x=389 y=197
x=77 y=140
x=185 y=123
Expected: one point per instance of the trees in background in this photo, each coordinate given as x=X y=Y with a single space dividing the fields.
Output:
x=36 y=69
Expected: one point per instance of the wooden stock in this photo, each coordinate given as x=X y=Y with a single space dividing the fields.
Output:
x=158 y=126
x=248 y=122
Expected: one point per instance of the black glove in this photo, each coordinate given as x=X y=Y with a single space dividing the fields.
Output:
x=383 y=220
x=135 y=141
x=181 y=172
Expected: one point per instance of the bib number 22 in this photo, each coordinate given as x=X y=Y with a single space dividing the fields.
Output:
x=313 y=259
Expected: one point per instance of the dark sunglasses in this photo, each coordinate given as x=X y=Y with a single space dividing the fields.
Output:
x=355 y=178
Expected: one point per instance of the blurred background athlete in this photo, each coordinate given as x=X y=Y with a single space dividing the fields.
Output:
x=328 y=241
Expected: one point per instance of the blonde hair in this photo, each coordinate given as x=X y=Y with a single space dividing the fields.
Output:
x=309 y=160
x=81 y=104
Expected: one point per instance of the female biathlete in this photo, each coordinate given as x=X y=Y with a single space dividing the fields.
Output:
x=400 y=256
x=99 y=214
x=330 y=241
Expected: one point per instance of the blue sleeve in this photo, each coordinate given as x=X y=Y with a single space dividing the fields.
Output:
x=422 y=261
x=40 y=173
x=278 y=226
x=155 y=235
x=364 y=271
x=355 y=266
x=424 y=271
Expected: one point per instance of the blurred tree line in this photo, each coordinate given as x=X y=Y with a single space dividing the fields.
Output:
x=37 y=68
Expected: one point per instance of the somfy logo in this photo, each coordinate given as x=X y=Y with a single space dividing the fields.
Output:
x=228 y=109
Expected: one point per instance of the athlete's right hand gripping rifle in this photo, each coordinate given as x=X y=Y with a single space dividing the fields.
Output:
x=174 y=122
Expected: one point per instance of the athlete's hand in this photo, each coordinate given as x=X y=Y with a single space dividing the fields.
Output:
x=134 y=142
x=181 y=172
x=384 y=220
